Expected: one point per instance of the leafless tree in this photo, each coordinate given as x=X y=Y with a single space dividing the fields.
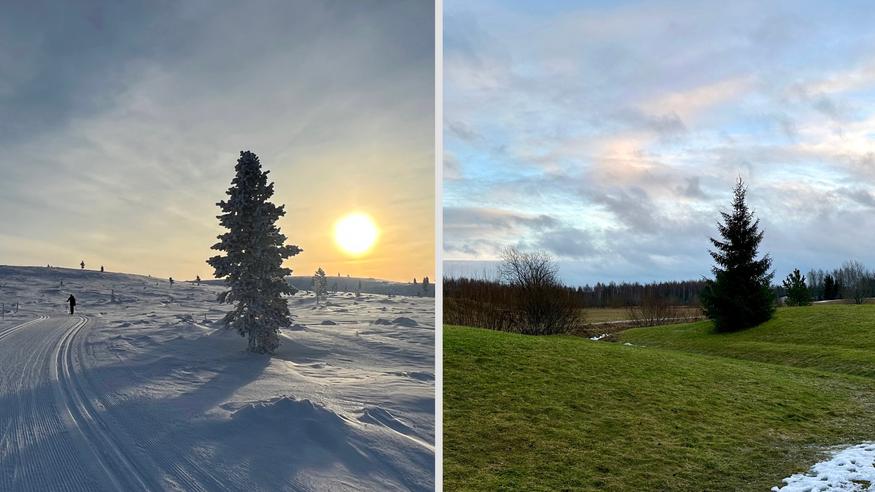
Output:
x=654 y=310
x=855 y=281
x=543 y=304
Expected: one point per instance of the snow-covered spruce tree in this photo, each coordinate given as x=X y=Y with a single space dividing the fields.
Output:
x=254 y=253
x=320 y=285
x=797 y=291
x=740 y=296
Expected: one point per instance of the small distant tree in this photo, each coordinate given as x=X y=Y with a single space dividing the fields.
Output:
x=320 y=284
x=797 y=291
x=414 y=280
x=740 y=296
x=255 y=250
x=830 y=287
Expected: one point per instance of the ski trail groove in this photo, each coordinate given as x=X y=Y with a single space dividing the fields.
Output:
x=21 y=326
x=185 y=471
x=121 y=470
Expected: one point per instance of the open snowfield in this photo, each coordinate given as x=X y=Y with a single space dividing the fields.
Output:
x=147 y=391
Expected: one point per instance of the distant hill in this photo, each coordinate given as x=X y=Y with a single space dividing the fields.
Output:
x=339 y=284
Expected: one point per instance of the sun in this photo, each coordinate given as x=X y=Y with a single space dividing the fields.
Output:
x=355 y=233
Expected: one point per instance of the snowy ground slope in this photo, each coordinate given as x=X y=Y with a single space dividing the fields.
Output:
x=149 y=392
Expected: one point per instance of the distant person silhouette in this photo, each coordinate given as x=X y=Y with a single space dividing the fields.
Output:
x=72 y=301
x=101 y=268
x=82 y=265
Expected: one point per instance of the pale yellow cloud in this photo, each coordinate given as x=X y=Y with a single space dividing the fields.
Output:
x=688 y=104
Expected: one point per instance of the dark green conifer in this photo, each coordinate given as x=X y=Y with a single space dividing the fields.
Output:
x=740 y=295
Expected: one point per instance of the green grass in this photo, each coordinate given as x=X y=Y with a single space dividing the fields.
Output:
x=689 y=411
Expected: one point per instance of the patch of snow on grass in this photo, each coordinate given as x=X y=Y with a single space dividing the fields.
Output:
x=851 y=469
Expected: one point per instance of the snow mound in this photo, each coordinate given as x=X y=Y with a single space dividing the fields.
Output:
x=851 y=469
x=381 y=416
x=327 y=322
x=417 y=375
x=297 y=327
x=400 y=321
x=289 y=410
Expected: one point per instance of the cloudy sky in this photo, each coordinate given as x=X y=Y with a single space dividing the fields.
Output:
x=610 y=133
x=122 y=122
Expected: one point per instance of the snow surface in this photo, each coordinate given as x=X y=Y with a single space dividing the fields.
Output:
x=150 y=392
x=852 y=468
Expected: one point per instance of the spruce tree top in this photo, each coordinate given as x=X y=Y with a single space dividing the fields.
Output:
x=251 y=222
x=741 y=237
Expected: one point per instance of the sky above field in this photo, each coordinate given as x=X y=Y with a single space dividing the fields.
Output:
x=610 y=134
x=122 y=123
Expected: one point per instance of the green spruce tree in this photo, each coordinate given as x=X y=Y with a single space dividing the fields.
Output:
x=740 y=296
x=830 y=288
x=796 y=290
x=254 y=252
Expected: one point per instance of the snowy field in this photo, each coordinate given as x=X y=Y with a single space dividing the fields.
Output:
x=146 y=391
x=850 y=469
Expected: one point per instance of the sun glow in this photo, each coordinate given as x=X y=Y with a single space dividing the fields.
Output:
x=355 y=233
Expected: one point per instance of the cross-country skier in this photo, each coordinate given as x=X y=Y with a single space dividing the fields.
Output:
x=72 y=301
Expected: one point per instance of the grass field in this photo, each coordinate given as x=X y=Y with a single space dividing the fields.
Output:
x=607 y=315
x=682 y=409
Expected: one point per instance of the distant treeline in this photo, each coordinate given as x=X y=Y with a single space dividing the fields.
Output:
x=851 y=281
x=366 y=285
x=617 y=295
x=681 y=293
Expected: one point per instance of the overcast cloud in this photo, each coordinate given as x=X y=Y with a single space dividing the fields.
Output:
x=611 y=133
x=122 y=121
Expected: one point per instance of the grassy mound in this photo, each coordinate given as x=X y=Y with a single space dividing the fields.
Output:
x=559 y=413
x=832 y=337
